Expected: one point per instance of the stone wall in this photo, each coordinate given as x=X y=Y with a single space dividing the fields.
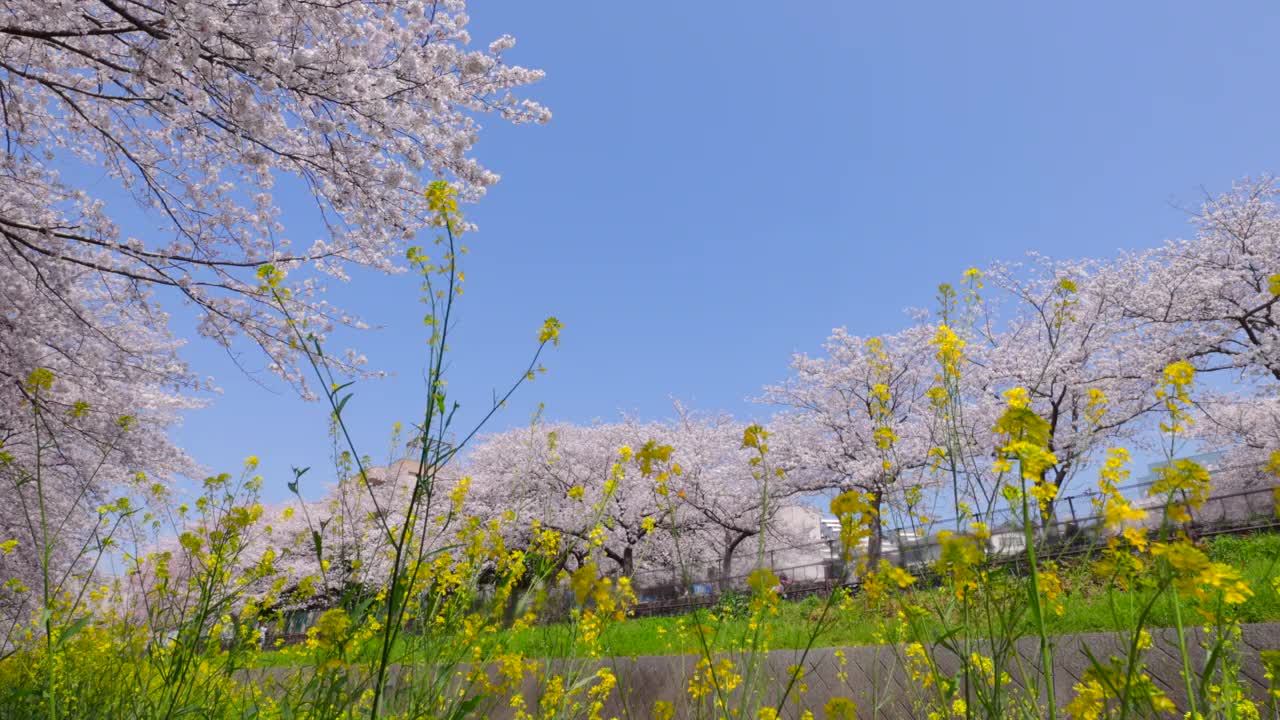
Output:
x=877 y=682
x=873 y=677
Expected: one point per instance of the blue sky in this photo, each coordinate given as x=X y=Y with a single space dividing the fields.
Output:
x=724 y=182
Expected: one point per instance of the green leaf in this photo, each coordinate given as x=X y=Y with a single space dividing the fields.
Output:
x=297 y=477
x=72 y=629
x=465 y=708
x=337 y=409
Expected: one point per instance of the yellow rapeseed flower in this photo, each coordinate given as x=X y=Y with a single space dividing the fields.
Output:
x=840 y=708
x=442 y=197
x=950 y=350
x=550 y=331
x=1096 y=406
x=1174 y=390
x=269 y=277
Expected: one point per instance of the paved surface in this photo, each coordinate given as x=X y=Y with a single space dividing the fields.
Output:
x=878 y=683
x=874 y=676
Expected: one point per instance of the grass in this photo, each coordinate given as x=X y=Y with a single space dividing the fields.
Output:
x=1087 y=608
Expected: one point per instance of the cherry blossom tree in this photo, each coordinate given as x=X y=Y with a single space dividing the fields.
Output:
x=144 y=146
x=339 y=542
x=575 y=479
x=858 y=418
x=70 y=444
x=924 y=402
x=562 y=476
x=198 y=110
x=1212 y=299
x=1246 y=431
x=1215 y=295
x=732 y=500
x=1087 y=368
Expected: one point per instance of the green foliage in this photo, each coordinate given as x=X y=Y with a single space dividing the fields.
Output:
x=1086 y=609
x=452 y=630
x=732 y=605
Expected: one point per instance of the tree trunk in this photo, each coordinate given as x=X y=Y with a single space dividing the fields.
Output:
x=1049 y=516
x=875 y=542
x=726 y=560
x=626 y=561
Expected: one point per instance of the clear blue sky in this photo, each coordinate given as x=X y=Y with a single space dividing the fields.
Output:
x=724 y=182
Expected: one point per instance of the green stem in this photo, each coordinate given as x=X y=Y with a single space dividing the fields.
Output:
x=1037 y=612
x=1182 y=651
x=45 y=556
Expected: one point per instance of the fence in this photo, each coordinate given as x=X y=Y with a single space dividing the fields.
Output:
x=1070 y=533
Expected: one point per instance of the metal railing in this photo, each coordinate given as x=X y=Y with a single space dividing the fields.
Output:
x=1071 y=533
